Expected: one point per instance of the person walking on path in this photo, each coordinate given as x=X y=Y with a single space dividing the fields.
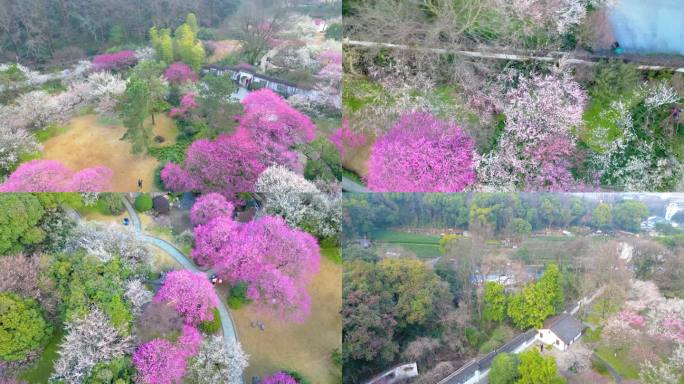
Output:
x=140 y=184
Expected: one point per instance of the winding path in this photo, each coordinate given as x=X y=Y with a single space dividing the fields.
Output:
x=229 y=333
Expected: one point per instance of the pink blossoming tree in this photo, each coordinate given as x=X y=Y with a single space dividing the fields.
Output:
x=160 y=362
x=208 y=207
x=188 y=103
x=228 y=165
x=345 y=139
x=421 y=154
x=53 y=176
x=275 y=260
x=190 y=293
x=279 y=378
x=276 y=126
x=114 y=61
x=180 y=73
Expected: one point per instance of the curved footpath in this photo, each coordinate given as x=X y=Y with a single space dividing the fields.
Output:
x=227 y=324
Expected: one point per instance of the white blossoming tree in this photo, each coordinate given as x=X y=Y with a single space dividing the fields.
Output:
x=138 y=295
x=217 y=362
x=88 y=341
x=107 y=241
x=299 y=202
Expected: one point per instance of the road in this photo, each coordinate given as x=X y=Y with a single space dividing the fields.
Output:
x=229 y=333
x=348 y=185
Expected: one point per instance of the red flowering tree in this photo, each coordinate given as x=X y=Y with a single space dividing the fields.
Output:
x=180 y=73
x=422 y=154
x=114 y=61
x=228 y=165
x=190 y=293
x=279 y=378
x=275 y=260
x=160 y=362
x=276 y=126
x=53 y=176
x=208 y=207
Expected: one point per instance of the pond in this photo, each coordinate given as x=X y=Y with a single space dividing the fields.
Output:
x=649 y=26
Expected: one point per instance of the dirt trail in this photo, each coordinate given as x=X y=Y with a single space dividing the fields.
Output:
x=304 y=347
x=89 y=143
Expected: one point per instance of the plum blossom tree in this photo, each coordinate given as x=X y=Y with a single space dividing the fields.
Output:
x=180 y=73
x=217 y=362
x=299 y=202
x=422 y=154
x=190 y=293
x=276 y=261
x=114 y=61
x=108 y=241
x=187 y=104
x=279 y=378
x=53 y=176
x=345 y=139
x=159 y=362
x=15 y=143
x=535 y=149
x=228 y=165
x=208 y=207
x=88 y=341
x=276 y=126
x=138 y=295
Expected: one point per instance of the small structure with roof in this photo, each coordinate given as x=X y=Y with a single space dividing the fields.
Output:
x=560 y=331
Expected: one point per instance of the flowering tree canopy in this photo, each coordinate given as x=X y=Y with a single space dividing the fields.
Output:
x=217 y=362
x=344 y=138
x=114 y=61
x=53 y=176
x=422 y=154
x=208 y=207
x=228 y=165
x=188 y=102
x=276 y=261
x=179 y=73
x=279 y=378
x=190 y=293
x=276 y=126
x=159 y=362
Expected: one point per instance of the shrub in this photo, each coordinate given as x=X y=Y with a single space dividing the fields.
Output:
x=238 y=296
x=143 y=202
x=22 y=327
x=211 y=326
x=110 y=204
x=334 y=32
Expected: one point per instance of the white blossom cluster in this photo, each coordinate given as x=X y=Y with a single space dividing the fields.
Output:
x=299 y=202
x=659 y=95
x=138 y=295
x=88 y=341
x=108 y=241
x=217 y=362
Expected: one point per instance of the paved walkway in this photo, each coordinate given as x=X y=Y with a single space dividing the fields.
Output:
x=227 y=323
x=613 y=372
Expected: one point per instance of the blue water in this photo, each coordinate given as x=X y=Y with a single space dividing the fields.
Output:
x=649 y=26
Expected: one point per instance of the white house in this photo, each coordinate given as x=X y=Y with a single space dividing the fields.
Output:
x=560 y=331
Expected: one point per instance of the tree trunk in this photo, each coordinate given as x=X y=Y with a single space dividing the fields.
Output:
x=153 y=123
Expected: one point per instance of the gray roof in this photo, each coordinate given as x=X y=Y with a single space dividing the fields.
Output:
x=565 y=326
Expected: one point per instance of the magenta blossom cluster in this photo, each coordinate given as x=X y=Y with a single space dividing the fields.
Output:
x=345 y=139
x=276 y=261
x=421 y=153
x=632 y=318
x=208 y=207
x=279 y=378
x=191 y=294
x=268 y=131
x=53 y=176
x=188 y=102
x=180 y=73
x=161 y=362
x=114 y=61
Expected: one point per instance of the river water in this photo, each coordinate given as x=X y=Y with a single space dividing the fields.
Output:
x=649 y=26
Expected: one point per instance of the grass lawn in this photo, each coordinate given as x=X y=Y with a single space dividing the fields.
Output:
x=423 y=246
x=622 y=363
x=88 y=141
x=42 y=369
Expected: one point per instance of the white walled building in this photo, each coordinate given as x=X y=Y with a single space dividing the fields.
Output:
x=560 y=331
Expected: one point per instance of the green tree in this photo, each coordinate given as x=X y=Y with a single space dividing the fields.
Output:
x=550 y=286
x=495 y=302
x=143 y=202
x=22 y=327
x=602 y=217
x=134 y=106
x=629 y=214
x=165 y=50
x=536 y=302
x=19 y=218
x=150 y=73
x=537 y=369
x=116 y=371
x=322 y=160
x=519 y=228
x=334 y=31
x=191 y=21
x=504 y=369
x=214 y=102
